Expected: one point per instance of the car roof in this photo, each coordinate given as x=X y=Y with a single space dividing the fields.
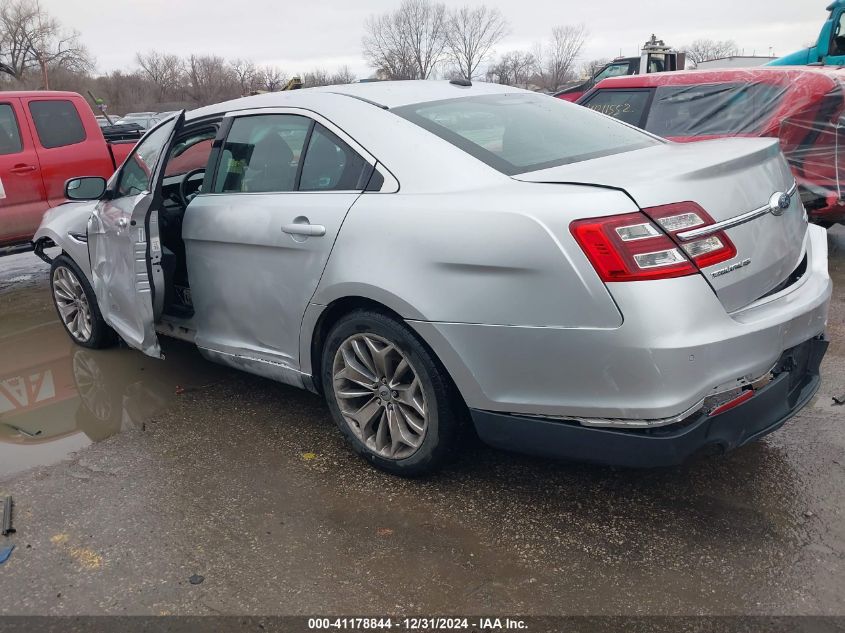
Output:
x=384 y=94
x=50 y=94
x=821 y=79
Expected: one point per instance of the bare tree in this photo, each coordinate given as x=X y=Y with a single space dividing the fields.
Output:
x=590 y=68
x=424 y=25
x=246 y=73
x=164 y=70
x=408 y=43
x=317 y=77
x=471 y=35
x=127 y=92
x=210 y=79
x=31 y=38
x=513 y=69
x=704 y=50
x=557 y=57
x=343 y=75
x=322 y=77
x=14 y=46
x=270 y=78
x=386 y=49
x=54 y=49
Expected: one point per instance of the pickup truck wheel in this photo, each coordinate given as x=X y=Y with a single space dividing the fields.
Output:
x=77 y=306
x=389 y=395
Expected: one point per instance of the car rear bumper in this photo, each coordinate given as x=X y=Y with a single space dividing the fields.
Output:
x=770 y=407
x=677 y=347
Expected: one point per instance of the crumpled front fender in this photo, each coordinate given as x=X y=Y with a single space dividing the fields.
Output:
x=67 y=226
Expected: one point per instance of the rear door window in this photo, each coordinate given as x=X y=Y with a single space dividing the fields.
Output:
x=630 y=106
x=57 y=123
x=262 y=154
x=331 y=165
x=725 y=109
x=10 y=134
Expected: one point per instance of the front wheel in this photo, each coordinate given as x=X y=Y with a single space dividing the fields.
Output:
x=389 y=395
x=76 y=305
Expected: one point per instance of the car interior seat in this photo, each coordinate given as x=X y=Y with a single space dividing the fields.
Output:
x=271 y=166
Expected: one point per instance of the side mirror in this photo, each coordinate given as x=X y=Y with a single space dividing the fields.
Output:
x=85 y=188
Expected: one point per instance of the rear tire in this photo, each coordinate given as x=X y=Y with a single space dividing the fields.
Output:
x=388 y=394
x=76 y=305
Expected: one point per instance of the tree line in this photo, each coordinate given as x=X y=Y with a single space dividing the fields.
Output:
x=423 y=39
x=420 y=39
x=37 y=52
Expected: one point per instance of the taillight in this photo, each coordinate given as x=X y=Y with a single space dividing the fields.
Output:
x=685 y=216
x=644 y=246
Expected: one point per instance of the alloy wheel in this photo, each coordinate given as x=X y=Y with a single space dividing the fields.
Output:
x=379 y=394
x=72 y=304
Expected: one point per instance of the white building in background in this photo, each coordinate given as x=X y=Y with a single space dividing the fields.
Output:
x=736 y=61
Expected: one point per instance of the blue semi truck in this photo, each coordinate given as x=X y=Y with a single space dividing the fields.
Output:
x=830 y=47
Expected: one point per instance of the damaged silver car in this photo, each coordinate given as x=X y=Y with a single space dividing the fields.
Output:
x=438 y=255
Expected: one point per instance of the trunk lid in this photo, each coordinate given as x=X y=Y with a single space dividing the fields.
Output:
x=729 y=179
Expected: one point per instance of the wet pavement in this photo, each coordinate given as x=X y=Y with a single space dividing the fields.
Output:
x=130 y=475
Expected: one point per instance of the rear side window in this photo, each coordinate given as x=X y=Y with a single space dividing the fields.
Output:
x=10 y=134
x=57 y=123
x=629 y=106
x=262 y=154
x=518 y=133
x=713 y=109
x=331 y=165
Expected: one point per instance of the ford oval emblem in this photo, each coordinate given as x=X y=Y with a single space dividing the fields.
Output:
x=780 y=202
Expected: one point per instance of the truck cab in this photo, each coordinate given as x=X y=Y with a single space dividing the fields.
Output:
x=830 y=47
x=46 y=138
x=656 y=57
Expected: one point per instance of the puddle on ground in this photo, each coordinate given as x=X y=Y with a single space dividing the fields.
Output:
x=57 y=397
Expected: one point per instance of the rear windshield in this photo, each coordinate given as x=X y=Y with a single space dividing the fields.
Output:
x=713 y=109
x=518 y=133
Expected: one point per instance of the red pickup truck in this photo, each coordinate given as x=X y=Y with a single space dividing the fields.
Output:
x=45 y=139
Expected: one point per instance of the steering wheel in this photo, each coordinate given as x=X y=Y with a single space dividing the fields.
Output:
x=184 y=196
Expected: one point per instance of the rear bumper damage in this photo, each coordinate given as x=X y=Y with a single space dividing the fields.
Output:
x=676 y=348
x=795 y=380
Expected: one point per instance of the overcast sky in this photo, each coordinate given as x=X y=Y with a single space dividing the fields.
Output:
x=298 y=35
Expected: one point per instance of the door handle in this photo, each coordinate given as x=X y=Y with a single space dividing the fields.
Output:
x=23 y=169
x=307 y=230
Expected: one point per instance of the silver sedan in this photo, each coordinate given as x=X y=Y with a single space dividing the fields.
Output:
x=436 y=256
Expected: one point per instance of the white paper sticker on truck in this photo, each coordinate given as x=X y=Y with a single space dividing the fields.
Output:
x=2 y=190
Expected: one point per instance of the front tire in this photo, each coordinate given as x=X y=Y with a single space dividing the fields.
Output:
x=388 y=394
x=76 y=305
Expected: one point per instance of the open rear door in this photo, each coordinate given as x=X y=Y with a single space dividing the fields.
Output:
x=124 y=244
